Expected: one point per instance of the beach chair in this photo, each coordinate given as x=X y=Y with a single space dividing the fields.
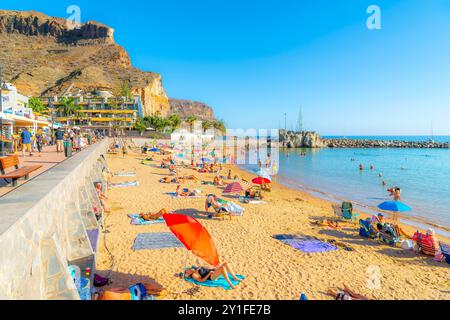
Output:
x=445 y=249
x=390 y=234
x=426 y=245
x=347 y=211
x=366 y=229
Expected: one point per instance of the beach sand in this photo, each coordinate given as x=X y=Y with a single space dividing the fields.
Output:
x=273 y=270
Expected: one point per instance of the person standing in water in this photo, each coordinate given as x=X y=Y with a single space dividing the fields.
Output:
x=361 y=167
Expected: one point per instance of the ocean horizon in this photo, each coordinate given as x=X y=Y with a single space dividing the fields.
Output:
x=334 y=174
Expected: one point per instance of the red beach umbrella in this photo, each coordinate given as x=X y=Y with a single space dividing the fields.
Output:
x=261 y=180
x=193 y=236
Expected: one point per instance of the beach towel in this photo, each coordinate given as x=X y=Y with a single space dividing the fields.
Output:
x=234 y=209
x=174 y=195
x=137 y=220
x=219 y=282
x=125 y=184
x=251 y=201
x=306 y=243
x=125 y=174
x=152 y=241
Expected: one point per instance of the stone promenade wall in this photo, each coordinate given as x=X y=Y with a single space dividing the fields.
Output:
x=43 y=226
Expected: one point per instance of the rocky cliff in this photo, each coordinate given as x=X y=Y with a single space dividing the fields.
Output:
x=46 y=56
x=186 y=108
x=304 y=139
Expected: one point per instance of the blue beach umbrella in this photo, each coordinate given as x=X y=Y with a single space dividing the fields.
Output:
x=394 y=206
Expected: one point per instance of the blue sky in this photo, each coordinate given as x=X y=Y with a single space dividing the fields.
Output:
x=253 y=61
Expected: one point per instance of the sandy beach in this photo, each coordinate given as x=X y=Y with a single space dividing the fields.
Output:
x=273 y=270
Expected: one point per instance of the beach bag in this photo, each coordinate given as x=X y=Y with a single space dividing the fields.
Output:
x=407 y=245
x=82 y=284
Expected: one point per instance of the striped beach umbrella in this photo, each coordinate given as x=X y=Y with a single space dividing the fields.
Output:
x=237 y=187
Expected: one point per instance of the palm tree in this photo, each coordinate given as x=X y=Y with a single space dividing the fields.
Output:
x=206 y=125
x=36 y=105
x=191 y=120
x=68 y=107
x=175 y=122
x=140 y=126
x=220 y=125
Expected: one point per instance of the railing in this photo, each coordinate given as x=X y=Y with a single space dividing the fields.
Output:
x=44 y=227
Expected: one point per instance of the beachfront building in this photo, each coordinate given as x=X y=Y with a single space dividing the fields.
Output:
x=102 y=112
x=15 y=115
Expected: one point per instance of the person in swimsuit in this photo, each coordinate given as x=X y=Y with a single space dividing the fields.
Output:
x=204 y=274
x=181 y=193
x=153 y=216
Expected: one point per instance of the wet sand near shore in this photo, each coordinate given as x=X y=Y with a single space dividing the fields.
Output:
x=273 y=270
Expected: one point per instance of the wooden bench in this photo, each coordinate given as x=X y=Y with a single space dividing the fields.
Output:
x=13 y=162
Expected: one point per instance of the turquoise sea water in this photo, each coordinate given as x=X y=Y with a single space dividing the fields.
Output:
x=422 y=174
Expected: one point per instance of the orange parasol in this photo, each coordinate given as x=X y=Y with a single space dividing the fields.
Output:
x=193 y=236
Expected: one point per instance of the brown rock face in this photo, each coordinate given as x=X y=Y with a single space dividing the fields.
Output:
x=43 y=57
x=186 y=108
x=36 y=24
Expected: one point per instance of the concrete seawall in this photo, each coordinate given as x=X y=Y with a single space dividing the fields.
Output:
x=45 y=226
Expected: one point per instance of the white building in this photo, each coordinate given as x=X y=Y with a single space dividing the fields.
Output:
x=15 y=109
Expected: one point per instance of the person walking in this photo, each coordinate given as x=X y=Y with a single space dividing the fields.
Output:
x=25 y=137
x=59 y=135
x=39 y=141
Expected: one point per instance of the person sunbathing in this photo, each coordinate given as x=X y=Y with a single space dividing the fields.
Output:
x=181 y=193
x=253 y=194
x=191 y=177
x=213 y=201
x=102 y=197
x=204 y=274
x=153 y=216
x=218 y=181
x=345 y=294
x=169 y=180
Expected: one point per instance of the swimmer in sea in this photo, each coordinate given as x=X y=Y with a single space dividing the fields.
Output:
x=371 y=167
x=361 y=167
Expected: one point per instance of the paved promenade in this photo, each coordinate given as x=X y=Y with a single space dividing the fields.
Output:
x=48 y=159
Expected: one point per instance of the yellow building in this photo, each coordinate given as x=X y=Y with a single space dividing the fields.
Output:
x=96 y=113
